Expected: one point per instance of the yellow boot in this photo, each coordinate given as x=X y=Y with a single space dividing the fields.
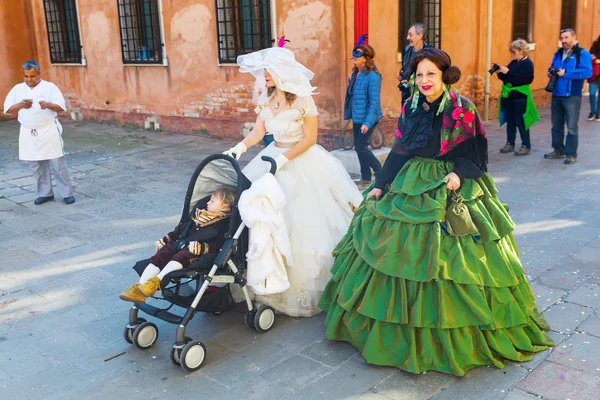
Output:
x=133 y=295
x=150 y=287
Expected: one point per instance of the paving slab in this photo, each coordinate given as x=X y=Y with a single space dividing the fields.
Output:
x=580 y=351
x=566 y=317
x=555 y=381
x=62 y=269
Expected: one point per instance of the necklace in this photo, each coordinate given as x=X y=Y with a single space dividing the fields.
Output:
x=277 y=103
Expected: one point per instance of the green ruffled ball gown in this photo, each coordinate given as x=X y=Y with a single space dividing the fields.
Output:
x=407 y=294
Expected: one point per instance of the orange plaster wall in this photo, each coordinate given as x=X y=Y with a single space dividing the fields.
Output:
x=15 y=44
x=193 y=84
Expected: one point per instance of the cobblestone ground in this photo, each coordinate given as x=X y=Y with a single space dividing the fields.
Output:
x=62 y=268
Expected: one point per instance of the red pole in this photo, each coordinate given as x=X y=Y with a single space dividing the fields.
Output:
x=361 y=18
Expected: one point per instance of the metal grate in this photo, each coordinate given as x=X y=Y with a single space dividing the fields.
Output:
x=63 y=31
x=141 y=41
x=522 y=13
x=243 y=26
x=427 y=12
x=568 y=15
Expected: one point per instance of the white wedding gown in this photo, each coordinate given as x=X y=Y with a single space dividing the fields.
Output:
x=319 y=192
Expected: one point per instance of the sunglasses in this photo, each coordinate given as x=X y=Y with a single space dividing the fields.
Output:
x=567 y=30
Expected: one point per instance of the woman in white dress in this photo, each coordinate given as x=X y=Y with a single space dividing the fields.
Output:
x=320 y=194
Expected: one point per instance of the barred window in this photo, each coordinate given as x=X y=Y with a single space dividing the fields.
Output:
x=63 y=31
x=523 y=20
x=426 y=12
x=141 y=41
x=243 y=26
x=568 y=15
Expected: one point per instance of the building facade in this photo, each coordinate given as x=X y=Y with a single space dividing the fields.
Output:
x=173 y=61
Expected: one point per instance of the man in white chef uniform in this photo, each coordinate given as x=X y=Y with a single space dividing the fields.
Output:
x=40 y=141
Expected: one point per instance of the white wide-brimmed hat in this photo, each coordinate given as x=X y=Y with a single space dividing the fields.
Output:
x=289 y=75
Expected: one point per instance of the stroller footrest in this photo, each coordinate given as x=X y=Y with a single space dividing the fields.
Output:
x=160 y=313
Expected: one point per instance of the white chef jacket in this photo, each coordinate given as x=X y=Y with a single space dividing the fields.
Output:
x=41 y=133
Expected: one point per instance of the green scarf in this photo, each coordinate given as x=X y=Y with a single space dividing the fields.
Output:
x=531 y=115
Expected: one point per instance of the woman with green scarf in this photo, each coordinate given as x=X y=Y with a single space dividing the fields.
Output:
x=515 y=106
x=428 y=276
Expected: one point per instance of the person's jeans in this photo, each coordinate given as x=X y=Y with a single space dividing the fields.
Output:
x=595 y=99
x=268 y=139
x=366 y=158
x=513 y=115
x=565 y=110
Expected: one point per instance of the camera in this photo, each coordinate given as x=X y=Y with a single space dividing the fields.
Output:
x=495 y=67
x=553 y=78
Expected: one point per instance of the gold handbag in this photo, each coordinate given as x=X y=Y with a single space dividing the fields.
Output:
x=458 y=218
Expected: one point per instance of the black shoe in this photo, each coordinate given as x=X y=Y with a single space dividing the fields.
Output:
x=554 y=154
x=69 y=200
x=570 y=160
x=42 y=200
x=591 y=116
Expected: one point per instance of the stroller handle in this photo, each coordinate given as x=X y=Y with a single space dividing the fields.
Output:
x=272 y=162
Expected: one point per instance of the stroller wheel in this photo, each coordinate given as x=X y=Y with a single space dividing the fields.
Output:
x=192 y=356
x=175 y=353
x=128 y=335
x=128 y=332
x=175 y=356
x=145 y=335
x=249 y=318
x=264 y=319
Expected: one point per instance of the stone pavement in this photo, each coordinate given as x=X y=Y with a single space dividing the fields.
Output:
x=62 y=268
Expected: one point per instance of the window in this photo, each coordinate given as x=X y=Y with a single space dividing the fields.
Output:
x=243 y=26
x=523 y=20
x=141 y=41
x=63 y=31
x=427 y=12
x=568 y=15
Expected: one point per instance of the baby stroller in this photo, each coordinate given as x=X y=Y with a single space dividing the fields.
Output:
x=189 y=288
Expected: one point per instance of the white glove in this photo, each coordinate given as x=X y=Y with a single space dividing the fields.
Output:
x=238 y=150
x=281 y=160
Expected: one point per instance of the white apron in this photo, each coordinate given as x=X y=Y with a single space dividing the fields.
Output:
x=41 y=143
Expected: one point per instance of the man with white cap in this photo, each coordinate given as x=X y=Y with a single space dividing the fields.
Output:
x=38 y=103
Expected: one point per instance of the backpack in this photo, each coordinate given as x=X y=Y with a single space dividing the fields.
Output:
x=576 y=50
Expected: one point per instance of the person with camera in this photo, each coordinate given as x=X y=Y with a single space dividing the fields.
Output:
x=516 y=106
x=416 y=42
x=571 y=66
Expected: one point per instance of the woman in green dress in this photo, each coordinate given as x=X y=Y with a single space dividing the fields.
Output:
x=410 y=290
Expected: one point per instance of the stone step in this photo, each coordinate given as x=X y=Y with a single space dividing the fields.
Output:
x=350 y=159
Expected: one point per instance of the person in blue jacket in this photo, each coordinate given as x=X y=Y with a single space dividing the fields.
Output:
x=363 y=106
x=572 y=65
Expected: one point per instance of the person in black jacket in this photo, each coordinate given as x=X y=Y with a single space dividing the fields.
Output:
x=516 y=104
x=416 y=41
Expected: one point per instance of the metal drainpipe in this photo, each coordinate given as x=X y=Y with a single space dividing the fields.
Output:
x=488 y=60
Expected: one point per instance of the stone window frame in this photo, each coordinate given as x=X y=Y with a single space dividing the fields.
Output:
x=523 y=22
x=568 y=14
x=426 y=12
x=230 y=23
x=64 y=33
x=141 y=25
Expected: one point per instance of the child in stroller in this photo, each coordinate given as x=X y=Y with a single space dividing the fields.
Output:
x=204 y=285
x=207 y=234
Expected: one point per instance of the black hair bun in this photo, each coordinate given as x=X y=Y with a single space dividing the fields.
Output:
x=451 y=75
